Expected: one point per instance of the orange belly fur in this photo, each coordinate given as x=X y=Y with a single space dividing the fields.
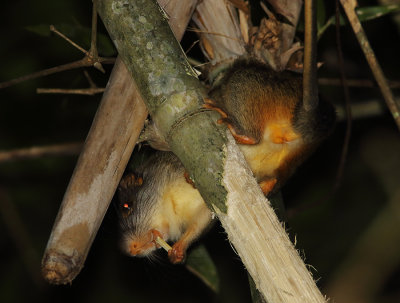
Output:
x=279 y=142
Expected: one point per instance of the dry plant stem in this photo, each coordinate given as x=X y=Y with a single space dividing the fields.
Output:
x=310 y=88
x=163 y=244
x=354 y=82
x=107 y=149
x=45 y=72
x=174 y=98
x=76 y=91
x=91 y=59
x=291 y=10
x=40 y=151
x=349 y=7
x=219 y=18
x=261 y=241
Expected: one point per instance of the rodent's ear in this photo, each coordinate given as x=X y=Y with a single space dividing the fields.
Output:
x=139 y=181
x=127 y=181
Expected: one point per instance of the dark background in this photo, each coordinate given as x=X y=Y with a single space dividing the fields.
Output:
x=326 y=226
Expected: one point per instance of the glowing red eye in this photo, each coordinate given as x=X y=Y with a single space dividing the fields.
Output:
x=126 y=206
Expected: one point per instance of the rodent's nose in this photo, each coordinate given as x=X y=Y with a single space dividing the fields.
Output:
x=133 y=249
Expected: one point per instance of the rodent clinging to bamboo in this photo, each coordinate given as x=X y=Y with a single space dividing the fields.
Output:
x=157 y=201
x=264 y=111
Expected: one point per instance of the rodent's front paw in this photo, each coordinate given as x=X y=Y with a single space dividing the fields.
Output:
x=177 y=253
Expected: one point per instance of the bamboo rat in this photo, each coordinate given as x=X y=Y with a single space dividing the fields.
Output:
x=157 y=201
x=264 y=111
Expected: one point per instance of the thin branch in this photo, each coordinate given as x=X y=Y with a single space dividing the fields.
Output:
x=89 y=79
x=349 y=7
x=92 y=90
x=85 y=62
x=45 y=72
x=74 y=91
x=54 y=30
x=40 y=151
x=91 y=57
x=310 y=87
x=196 y=30
x=355 y=82
x=93 y=43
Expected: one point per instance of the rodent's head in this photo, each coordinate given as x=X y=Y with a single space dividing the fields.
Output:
x=135 y=214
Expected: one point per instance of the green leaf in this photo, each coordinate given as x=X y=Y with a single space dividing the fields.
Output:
x=77 y=33
x=373 y=12
x=41 y=29
x=321 y=16
x=364 y=14
x=201 y=265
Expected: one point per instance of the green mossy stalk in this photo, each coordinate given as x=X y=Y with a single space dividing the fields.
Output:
x=170 y=89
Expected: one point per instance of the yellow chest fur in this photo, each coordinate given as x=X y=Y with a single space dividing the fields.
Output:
x=278 y=143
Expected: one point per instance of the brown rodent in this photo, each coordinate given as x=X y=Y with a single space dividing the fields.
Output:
x=263 y=110
x=156 y=200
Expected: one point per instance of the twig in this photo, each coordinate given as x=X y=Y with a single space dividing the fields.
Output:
x=355 y=82
x=54 y=30
x=73 y=91
x=93 y=43
x=310 y=87
x=85 y=62
x=349 y=7
x=36 y=152
x=89 y=79
x=196 y=30
x=91 y=58
x=163 y=244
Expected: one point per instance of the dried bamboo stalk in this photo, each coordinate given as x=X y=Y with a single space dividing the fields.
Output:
x=251 y=224
x=220 y=31
x=108 y=147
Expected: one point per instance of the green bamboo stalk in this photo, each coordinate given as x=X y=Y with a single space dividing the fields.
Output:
x=173 y=93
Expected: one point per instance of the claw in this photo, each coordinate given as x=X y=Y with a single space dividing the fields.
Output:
x=177 y=253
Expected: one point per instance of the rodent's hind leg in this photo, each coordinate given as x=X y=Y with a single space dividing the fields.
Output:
x=210 y=104
x=240 y=138
x=198 y=224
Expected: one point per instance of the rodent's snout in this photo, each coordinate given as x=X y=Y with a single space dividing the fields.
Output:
x=142 y=246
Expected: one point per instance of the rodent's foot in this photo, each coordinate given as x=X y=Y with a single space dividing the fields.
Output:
x=267 y=185
x=177 y=253
x=210 y=104
x=188 y=180
x=241 y=139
